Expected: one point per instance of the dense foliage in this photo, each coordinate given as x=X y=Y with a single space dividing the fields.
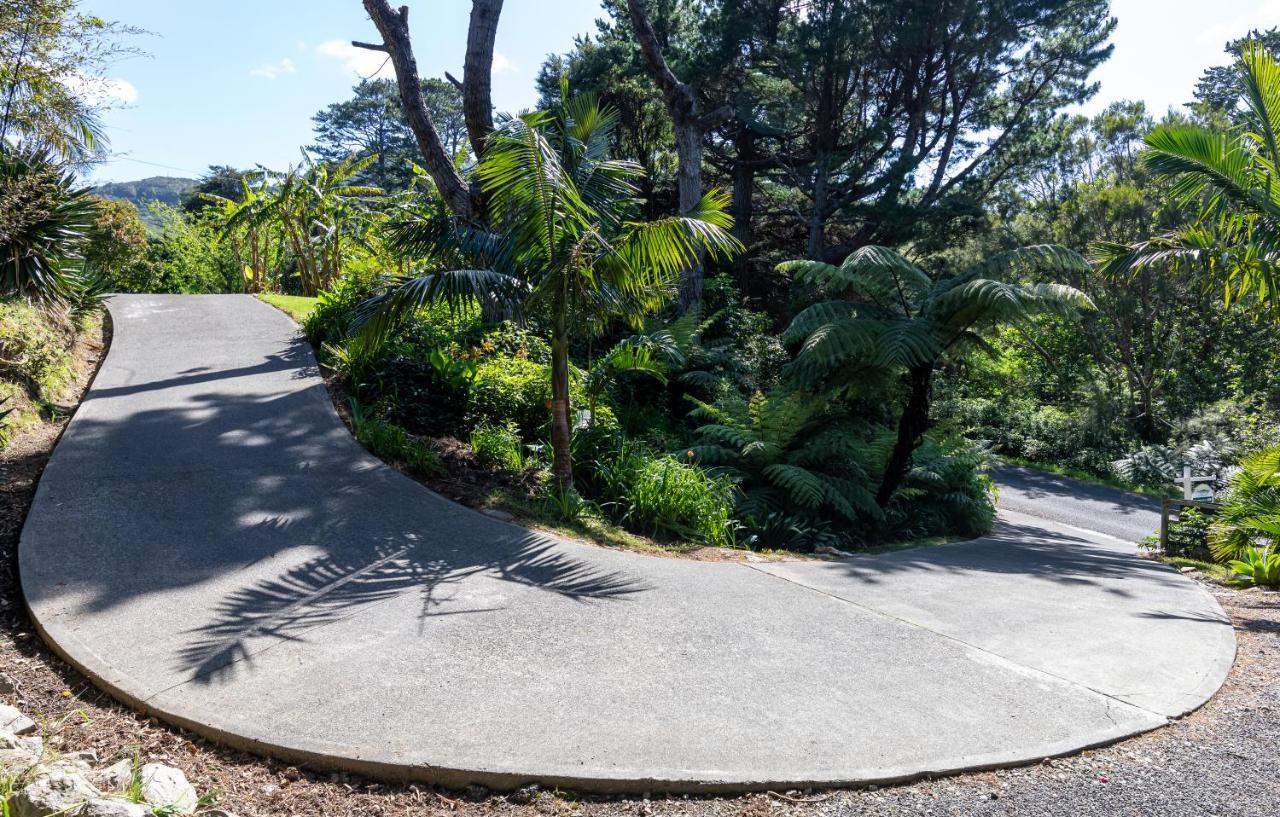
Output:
x=918 y=263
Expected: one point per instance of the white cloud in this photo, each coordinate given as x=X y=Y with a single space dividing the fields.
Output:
x=1267 y=14
x=503 y=65
x=359 y=61
x=103 y=90
x=271 y=70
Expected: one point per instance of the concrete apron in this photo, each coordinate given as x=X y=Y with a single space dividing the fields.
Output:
x=209 y=545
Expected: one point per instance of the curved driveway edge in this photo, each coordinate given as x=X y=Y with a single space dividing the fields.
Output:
x=210 y=545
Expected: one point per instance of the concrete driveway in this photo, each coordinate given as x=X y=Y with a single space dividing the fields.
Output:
x=210 y=545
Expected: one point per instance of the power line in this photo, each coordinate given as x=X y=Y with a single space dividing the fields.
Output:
x=153 y=164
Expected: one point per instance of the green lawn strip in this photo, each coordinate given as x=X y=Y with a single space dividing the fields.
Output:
x=295 y=306
x=1218 y=573
x=589 y=526
x=1085 y=476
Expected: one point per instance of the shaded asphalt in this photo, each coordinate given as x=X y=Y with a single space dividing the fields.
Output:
x=209 y=544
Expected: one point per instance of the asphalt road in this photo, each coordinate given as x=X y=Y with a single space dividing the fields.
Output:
x=209 y=544
x=1084 y=505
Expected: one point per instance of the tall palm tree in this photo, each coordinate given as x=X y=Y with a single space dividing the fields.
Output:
x=1233 y=173
x=882 y=316
x=562 y=241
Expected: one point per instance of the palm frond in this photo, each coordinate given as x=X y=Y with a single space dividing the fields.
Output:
x=379 y=316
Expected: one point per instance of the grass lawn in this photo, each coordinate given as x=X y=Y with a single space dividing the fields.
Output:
x=295 y=306
x=1219 y=573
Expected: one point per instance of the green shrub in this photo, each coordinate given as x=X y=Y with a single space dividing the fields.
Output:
x=518 y=390
x=662 y=496
x=505 y=340
x=499 y=447
x=1086 y=438
x=1250 y=511
x=781 y=531
x=424 y=397
x=1188 y=536
x=6 y=411
x=1259 y=566
x=512 y=389
x=45 y=218
x=565 y=504
x=392 y=444
x=791 y=453
x=946 y=492
x=34 y=350
x=331 y=318
x=187 y=256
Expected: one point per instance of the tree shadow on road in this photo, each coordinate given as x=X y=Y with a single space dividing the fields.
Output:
x=329 y=588
x=252 y=499
x=1015 y=549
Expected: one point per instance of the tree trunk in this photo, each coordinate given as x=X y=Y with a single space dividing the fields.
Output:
x=477 y=73
x=690 y=126
x=817 y=242
x=561 y=461
x=689 y=185
x=744 y=182
x=394 y=28
x=911 y=428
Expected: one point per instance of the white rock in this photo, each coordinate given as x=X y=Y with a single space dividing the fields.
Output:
x=56 y=793
x=11 y=720
x=166 y=787
x=17 y=755
x=115 y=777
x=115 y=808
x=75 y=761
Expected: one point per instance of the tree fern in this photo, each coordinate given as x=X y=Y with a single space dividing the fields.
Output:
x=790 y=454
x=884 y=317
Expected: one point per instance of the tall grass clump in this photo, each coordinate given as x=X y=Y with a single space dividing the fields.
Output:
x=664 y=497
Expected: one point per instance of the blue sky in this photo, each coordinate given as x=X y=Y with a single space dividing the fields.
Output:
x=237 y=81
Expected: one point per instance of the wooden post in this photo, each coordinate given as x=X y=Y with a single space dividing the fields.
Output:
x=1164 y=524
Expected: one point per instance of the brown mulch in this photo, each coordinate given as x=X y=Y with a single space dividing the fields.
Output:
x=1194 y=766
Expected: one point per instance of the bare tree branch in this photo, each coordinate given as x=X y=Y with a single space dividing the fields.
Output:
x=394 y=28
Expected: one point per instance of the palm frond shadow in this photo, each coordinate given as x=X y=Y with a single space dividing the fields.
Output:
x=333 y=587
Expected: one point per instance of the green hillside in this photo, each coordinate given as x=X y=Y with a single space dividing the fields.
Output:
x=167 y=189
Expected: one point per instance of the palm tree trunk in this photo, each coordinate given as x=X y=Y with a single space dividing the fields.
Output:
x=561 y=462
x=912 y=425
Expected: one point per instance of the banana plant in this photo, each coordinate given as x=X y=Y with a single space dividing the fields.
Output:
x=318 y=212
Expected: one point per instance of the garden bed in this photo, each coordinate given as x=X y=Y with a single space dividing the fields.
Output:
x=462 y=478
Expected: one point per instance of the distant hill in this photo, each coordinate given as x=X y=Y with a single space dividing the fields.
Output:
x=167 y=189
